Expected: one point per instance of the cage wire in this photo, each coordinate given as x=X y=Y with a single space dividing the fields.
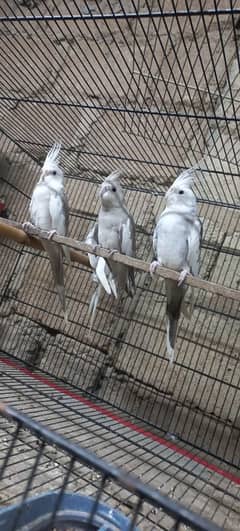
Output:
x=74 y=468
x=152 y=88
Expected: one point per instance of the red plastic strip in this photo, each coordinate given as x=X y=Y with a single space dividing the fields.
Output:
x=123 y=422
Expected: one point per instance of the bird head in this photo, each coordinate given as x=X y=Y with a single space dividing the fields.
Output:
x=111 y=192
x=180 y=193
x=51 y=172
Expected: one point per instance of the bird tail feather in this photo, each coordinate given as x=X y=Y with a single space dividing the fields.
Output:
x=130 y=284
x=105 y=277
x=188 y=307
x=66 y=251
x=175 y=295
x=93 y=306
x=101 y=275
x=113 y=285
x=54 y=252
x=171 y=334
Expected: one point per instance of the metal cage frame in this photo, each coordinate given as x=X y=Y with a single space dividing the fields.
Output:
x=150 y=87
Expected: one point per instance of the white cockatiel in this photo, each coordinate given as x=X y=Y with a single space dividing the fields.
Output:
x=114 y=230
x=49 y=211
x=176 y=244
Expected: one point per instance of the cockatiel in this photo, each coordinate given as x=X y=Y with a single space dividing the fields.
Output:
x=114 y=230
x=176 y=244
x=49 y=211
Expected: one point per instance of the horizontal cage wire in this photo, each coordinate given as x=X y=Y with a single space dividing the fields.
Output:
x=151 y=88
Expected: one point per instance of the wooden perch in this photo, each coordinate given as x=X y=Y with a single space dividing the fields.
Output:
x=14 y=231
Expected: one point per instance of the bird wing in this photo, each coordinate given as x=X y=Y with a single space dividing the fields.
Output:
x=34 y=208
x=103 y=273
x=194 y=245
x=99 y=264
x=155 y=238
x=65 y=216
x=128 y=237
x=92 y=239
x=65 y=207
x=59 y=212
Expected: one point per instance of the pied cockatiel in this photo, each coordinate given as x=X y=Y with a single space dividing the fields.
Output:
x=49 y=211
x=114 y=230
x=176 y=244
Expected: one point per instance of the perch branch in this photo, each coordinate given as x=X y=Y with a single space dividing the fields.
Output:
x=15 y=231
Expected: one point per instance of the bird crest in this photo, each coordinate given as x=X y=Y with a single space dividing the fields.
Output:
x=53 y=158
x=114 y=177
x=186 y=178
x=113 y=180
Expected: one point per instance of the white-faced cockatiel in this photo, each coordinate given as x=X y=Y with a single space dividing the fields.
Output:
x=49 y=211
x=176 y=244
x=114 y=230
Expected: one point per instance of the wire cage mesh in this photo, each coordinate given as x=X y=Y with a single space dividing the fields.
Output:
x=73 y=468
x=152 y=88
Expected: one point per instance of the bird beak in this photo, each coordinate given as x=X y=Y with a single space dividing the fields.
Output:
x=42 y=175
x=167 y=193
x=105 y=188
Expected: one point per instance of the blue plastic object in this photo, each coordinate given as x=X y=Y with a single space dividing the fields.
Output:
x=35 y=514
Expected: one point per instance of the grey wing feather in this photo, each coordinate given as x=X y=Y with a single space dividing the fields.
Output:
x=128 y=237
x=55 y=256
x=104 y=276
x=99 y=264
x=92 y=239
x=175 y=296
x=65 y=211
x=155 y=237
x=65 y=207
x=128 y=246
x=194 y=245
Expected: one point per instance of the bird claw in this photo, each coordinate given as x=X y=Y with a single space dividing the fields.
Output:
x=27 y=225
x=153 y=267
x=51 y=234
x=113 y=251
x=95 y=247
x=182 y=276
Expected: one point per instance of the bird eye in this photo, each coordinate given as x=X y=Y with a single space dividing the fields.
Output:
x=114 y=189
x=181 y=192
x=54 y=172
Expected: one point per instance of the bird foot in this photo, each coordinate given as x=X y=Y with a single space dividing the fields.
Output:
x=182 y=276
x=51 y=234
x=153 y=267
x=113 y=251
x=95 y=247
x=27 y=225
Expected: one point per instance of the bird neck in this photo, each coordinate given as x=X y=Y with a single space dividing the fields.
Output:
x=186 y=210
x=55 y=183
x=107 y=207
